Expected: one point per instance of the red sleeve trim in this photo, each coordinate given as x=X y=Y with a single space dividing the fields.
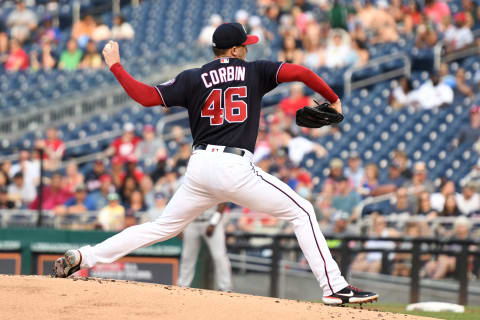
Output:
x=293 y=72
x=142 y=93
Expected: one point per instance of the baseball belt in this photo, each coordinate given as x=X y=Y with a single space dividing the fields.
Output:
x=237 y=151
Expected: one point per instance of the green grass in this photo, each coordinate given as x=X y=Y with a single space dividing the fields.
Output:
x=471 y=313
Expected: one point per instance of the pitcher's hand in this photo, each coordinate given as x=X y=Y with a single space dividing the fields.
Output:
x=337 y=105
x=111 y=53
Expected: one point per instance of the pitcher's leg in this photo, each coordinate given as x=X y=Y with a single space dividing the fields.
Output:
x=192 y=240
x=265 y=193
x=218 y=250
x=185 y=205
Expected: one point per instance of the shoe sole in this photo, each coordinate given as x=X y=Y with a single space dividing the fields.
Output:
x=339 y=302
x=364 y=300
x=59 y=268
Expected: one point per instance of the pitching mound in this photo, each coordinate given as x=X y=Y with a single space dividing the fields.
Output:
x=39 y=298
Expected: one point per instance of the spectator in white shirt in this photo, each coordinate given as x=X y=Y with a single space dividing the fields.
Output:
x=20 y=192
x=22 y=22
x=29 y=169
x=205 y=37
x=437 y=199
x=338 y=49
x=122 y=29
x=355 y=172
x=299 y=146
x=433 y=94
x=460 y=36
x=101 y=32
x=468 y=201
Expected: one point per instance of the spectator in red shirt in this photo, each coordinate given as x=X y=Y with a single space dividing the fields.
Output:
x=53 y=195
x=124 y=146
x=413 y=16
x=436 y=10
x=133 y=170
x=118 y=171
x=53 y=148
x=295 y=101
x=17 y=58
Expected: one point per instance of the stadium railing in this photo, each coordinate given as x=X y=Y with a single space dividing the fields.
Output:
x=278 y=243
x=345 y=253
x=440 y=56
x=350 y=85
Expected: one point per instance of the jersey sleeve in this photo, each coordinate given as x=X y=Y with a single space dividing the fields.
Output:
x=267 y=71
x=174 y=91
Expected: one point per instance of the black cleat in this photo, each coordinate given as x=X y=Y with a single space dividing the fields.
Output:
x=350 y=294
x=67 y=265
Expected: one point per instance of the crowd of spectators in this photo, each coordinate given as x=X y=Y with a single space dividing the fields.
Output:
x=116 y=188
x=29 y=42
x=337 y=33
x=133 y=180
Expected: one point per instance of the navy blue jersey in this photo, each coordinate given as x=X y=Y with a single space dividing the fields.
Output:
x=223 y=99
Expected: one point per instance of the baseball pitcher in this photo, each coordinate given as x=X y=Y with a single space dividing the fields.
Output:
x=223 y=99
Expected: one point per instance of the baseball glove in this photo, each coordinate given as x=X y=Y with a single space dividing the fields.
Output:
x=317 y=116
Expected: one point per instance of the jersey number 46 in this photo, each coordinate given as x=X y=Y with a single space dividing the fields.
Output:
x=233 y=111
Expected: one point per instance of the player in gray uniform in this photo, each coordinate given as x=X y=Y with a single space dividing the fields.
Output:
x=209 y=226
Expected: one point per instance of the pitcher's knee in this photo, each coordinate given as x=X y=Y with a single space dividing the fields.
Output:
x=307 y=207
x=167 y=227
x=304 y=212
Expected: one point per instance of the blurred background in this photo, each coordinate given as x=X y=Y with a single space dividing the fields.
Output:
x=395 y=186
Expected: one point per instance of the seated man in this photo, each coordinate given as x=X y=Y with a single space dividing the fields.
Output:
x=347 y=199
x=402 y=203
x=471 y=133
x=433 y=94
x=468 y=201
x=340 y=226
x=393 y=181
x=445 y=264
x=78 y=204
x=20 y=192
x=53 y=195
x=99 y=197
x=372 y=261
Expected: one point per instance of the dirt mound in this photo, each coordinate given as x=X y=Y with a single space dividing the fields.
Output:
x=39 y=298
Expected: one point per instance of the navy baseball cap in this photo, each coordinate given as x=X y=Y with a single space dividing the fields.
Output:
x=228 y=35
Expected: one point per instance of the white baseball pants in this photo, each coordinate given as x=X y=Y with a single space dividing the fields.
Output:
x=192 y=241
x=213 y=177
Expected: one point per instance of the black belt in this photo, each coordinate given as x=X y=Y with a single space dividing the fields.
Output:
x=237 y=151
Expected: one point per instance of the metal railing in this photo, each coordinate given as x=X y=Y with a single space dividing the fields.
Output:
x=345 y=253
x=349 y=86
x=279 y=244
x=469 y=51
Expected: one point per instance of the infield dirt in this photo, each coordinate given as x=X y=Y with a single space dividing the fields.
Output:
x=42 y=298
